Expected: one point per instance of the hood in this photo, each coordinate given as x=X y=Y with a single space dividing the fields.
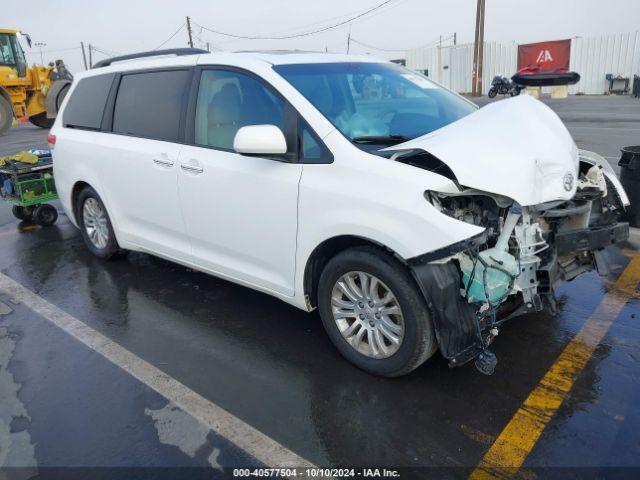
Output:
x=518 y=148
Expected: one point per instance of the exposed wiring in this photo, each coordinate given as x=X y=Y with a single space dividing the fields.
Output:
x=173 y=35
x=297 y=35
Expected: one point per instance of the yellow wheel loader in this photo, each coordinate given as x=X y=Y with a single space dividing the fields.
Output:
x=28 y=92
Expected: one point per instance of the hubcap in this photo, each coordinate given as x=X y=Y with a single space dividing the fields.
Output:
x=95 y=223
x=367 y=314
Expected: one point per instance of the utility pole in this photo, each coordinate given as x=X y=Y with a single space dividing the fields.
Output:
x=84 y=56
x=455 y=38
x=208 y=49
x=90 y=56
x=40 y=45
x=348 y=41
x=189 y=32
x=440 y=60
x=478 y=51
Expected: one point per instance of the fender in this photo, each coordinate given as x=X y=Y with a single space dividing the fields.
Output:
x=593 y=158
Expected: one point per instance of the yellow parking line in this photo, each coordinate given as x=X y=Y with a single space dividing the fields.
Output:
x=517 y=439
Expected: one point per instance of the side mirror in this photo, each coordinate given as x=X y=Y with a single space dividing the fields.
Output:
x=260 y=140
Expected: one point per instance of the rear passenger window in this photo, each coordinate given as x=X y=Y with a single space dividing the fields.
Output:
x=86 y=104
x=150 y=104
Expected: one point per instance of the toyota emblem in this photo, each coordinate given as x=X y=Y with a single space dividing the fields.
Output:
x=567 y=181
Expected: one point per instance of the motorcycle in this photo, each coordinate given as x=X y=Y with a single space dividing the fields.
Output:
x=504 y=86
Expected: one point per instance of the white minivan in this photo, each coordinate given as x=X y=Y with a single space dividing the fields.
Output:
x=411 y=219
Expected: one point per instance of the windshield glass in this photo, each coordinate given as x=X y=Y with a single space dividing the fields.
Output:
x=376 y=103
x=6 y=52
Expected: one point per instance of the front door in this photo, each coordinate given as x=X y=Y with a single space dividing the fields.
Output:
x=240 y=211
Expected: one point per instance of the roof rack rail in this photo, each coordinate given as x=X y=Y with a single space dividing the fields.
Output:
x=153 y=53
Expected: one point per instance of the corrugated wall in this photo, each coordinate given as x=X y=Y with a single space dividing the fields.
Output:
x=592 y=57
x=595 y=57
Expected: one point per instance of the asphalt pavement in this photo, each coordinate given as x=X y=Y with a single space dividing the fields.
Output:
x=140 y=368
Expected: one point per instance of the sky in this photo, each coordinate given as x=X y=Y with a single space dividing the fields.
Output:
x=119 y=27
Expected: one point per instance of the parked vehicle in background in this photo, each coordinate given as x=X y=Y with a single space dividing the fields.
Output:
x=504 y=86
x=341 y=183
x=28 y=92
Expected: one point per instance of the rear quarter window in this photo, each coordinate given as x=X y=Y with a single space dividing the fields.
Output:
x=87 y=102
x=150 y=104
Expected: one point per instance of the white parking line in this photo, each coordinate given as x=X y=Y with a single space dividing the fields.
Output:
x=243 y=435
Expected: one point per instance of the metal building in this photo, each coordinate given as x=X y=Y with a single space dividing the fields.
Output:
x=593 y=58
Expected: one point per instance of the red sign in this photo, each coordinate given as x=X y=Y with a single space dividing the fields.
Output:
x=546 y=55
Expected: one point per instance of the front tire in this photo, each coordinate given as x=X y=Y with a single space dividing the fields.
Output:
x=6 y=115
x=373 y=312
x=493 y=92
x=95 y=225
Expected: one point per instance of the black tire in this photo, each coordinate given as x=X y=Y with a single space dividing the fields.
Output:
x=493 y=92
x=111 y=249
x=22 y=213
x=6 y=115
x=45 y=215
x=419 y=342
x=41 y=120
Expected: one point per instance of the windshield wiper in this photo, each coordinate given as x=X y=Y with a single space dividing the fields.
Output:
x=382 y=139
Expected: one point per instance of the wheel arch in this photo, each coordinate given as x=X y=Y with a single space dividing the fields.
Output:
x=324 y=252
x=75 y=192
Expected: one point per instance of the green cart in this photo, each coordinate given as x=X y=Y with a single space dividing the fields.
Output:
x=28 y=187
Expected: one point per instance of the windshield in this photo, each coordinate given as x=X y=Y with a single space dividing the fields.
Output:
x=376 y=103
x=6 y=51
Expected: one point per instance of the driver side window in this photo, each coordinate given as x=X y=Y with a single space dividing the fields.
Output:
x=229 y=100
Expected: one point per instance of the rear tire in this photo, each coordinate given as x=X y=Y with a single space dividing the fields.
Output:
x=41 y=120
x=417 y=339
x=6 y=115
x=95 y=225
x=22 y=213
x=45 y=215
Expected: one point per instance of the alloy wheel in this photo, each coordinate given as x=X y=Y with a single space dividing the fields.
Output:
x=367 y=314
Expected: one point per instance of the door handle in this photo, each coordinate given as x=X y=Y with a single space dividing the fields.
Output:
x=191 y=168
x=163 y=163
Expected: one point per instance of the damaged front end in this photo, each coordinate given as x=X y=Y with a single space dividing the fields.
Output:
x=512 y=267
x=548 y=210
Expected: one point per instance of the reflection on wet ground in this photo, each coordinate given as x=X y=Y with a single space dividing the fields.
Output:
x=273 y=367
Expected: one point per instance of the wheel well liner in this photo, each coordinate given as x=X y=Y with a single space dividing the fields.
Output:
x=325 y=252
x=77 y=188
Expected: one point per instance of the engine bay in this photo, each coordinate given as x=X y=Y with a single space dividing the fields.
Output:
x=527 y=250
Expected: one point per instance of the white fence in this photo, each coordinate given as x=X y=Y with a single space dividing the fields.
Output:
x=593 y=58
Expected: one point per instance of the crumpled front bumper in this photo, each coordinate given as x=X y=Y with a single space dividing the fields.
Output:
x=590 y=239
x=454 y=319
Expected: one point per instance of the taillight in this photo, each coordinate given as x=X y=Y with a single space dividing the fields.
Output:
x=51 y=140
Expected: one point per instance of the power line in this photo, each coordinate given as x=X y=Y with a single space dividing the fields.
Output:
x=60 y=50
x=337 y=17
x=172 y=35
x=395 y=50
x=305 y=34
